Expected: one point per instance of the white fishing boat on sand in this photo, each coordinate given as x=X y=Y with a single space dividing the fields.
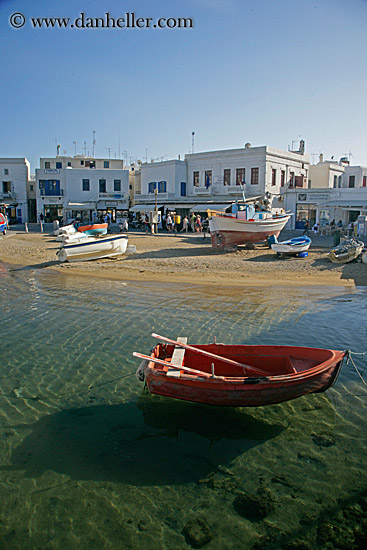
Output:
x=93 y=248
x=245 y=225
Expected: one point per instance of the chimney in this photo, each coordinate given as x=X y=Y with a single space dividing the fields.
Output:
x=321 y=158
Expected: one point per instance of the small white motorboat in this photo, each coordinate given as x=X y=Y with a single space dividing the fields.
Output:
x=93 y=248
x=292 y=247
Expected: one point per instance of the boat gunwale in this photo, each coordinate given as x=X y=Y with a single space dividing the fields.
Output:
x=304 y=375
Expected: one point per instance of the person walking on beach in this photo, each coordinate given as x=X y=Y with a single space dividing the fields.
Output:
x=307 y=226
x=192 y=222
x=169 y=223
x=185 y=225
x=198 y=225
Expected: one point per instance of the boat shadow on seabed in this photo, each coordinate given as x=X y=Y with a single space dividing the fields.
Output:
x=154 y=442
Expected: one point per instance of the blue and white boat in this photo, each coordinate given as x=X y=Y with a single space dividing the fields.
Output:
x=292 y=247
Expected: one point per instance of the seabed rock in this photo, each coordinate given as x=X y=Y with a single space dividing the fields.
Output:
x=253 y=507
x=197 y=533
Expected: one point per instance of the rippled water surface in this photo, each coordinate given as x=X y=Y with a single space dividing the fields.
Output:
x=89 y=460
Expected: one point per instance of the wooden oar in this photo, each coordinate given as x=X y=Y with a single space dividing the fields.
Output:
x=212 y=355
x=167 y=364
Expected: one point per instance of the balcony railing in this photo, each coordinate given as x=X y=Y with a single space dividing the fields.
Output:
x=8 y=195
x=51 y=192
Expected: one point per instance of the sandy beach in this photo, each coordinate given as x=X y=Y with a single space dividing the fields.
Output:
x=188 y=259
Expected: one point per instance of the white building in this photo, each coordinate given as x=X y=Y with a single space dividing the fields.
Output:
x=336 y=191
x=326 y=174
x=85 y=187
x=15 y=174
x=355 y=177
x=215 y=177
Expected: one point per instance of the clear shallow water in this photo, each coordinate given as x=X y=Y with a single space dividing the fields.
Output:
x=90 y=464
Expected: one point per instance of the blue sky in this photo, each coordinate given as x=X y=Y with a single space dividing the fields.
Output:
x=268 y=72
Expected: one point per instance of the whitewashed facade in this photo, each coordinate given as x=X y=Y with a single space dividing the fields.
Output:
x=324 y=205
x=70 y=187
x=15 y=175
x=355 y=177
x=215 y=177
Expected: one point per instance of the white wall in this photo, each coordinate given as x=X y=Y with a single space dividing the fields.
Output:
x=18 y=175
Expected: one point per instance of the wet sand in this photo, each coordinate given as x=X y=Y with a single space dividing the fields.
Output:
x=188 y=259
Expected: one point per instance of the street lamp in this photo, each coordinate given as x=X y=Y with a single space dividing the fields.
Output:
x=156 y=211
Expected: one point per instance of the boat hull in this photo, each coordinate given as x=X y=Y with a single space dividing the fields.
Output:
x=346 y=252
x=230 y=231
x=93 y=248
x=247 y=391
x=3 y=224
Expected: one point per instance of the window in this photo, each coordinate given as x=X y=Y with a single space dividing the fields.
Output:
x=102 y=186
x=282 y=178
x=208 y=178
x=162 y=187
x=299 y=181
x=86 y=186
x=58 y=165
x=254 y=176
x=227 y=177
x=69 y=163
x=364 y=181
x=6 y=171
x=50 y=188
x=352 y=180
x=195 y=179
x=273 y=176
x=335 y=182
x=106 y=164
x=82 y=163
x=6 y=187
x=151 y=186
x=31 y=187
x=117 y=185
x=291 y=179
x=183 y=188
x=47 y=165
x=240 y=176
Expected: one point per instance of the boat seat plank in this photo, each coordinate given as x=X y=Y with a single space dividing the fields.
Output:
x=177 y=358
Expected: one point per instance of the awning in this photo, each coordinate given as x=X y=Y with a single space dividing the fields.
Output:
x=81 y=205
x=173 y=207
x=144 y=207
x=205 y=207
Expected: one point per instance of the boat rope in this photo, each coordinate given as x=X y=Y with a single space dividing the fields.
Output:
x=350 y=358
x=16 y=392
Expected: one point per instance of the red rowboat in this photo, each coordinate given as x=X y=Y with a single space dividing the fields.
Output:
x=237 y=375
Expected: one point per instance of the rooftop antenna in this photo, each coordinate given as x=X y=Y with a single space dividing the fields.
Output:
x=94 y=140
x=192 y=142
x=146 y=155
x=75 y=142
x=109 y=149
x=85 y=148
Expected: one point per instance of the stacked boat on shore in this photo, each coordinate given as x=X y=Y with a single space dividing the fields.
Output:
x=91 y=244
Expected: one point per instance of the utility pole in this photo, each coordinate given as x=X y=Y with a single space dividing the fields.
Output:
x=94 y=140
x=192 y=142
x=75 y=142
